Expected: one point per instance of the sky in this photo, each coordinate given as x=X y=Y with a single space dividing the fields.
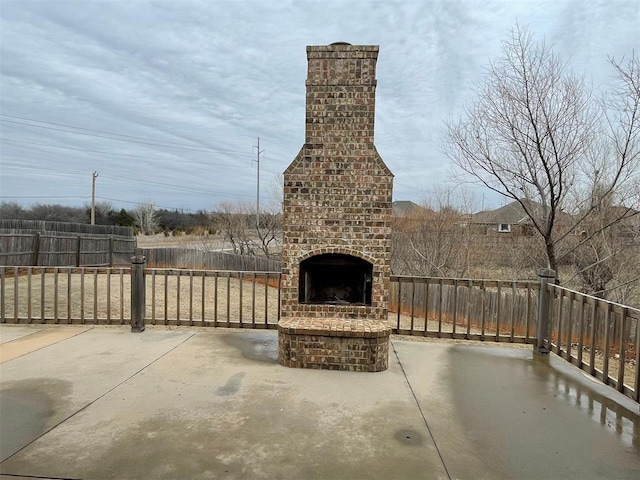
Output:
x=166 y=100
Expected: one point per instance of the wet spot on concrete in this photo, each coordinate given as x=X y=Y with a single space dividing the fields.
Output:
x=491 y=391
x=27 y=409
x=409 y=437
x=260 y=347
x=232 y=386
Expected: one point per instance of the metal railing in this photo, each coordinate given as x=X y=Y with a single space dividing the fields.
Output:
x=487 y=310
x=102 y=296
x=600 y=337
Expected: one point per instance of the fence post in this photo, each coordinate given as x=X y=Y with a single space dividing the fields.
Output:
x=137 y=293
x=36 y=250
x=545 y=276
x=78 y=250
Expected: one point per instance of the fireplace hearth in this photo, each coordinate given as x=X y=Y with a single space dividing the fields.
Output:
x=336 y=222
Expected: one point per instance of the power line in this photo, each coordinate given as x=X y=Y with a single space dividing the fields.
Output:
x=206 y=150
x=97 y=131
x=120 y=154
x=126 y=179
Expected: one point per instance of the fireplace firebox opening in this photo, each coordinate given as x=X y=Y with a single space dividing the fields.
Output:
x=335 y=279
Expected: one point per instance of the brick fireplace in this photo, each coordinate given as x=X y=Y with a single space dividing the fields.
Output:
x=336 y=233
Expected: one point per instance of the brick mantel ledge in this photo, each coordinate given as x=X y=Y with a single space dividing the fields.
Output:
x=335 y=327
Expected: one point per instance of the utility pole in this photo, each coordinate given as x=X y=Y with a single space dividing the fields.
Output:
x=93 y=197
x=258 y=185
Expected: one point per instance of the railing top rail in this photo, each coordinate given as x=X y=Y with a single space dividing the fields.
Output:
x=591 y=299
x=523 y=284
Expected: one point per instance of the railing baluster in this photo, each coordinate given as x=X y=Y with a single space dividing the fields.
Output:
x=528 y=315
x=413 y=302
x=426 y=307
x=483 y=318
x=636 y=379
x=592 y=338
x=204 y=296
x=42 y=295
x=16 y=276
x=122 y=296
x=69 y=295
x=279 y=290
x=469 y=290
x=109 y=295
x=581 y=331
x=191 y=298
x=81 y=296
x=498 y=311
x=253 y=299
x=153 y=296
x=215 y=299
x=177 y=272
x=513 y=311
x=560 y=312
x=228 y=299
x=56 y=317
x=570 y=326
x=2 y=300
x=29 y=319
x=166 y=297
x=440 y=294
x=455 y=307
x=607 y=341
x=622 y=355
x=266 y=298
x=398 y=305
x=240 y=281
x=95 y=295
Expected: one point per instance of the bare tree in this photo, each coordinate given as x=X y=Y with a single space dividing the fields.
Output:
x=237 y=223
x=146 y=217
x=434 y=239
x=234 y=224
x=536 y=134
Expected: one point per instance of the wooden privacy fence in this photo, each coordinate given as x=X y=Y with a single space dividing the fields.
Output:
x=53 y=249
x=602 y=338
x=44 y=243
x=210 y=260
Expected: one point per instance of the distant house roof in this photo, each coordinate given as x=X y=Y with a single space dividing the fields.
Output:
x=512 y=214
x=403 y=208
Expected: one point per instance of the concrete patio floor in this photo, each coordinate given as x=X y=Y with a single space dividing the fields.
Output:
x=186 y=403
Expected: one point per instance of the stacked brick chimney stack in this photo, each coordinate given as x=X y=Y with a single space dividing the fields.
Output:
x=337 y=209
x=341 y=90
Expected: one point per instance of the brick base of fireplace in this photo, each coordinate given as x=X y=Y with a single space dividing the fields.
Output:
x=357 y=345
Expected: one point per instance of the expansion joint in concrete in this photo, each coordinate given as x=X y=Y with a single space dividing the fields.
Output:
x=424 y=418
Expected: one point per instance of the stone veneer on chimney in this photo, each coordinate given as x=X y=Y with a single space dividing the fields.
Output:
x=336 y=224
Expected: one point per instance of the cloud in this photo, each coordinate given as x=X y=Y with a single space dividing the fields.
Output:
x=215 y=75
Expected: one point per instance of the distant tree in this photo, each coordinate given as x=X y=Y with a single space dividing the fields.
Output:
x=12 y=211
x=434 y=240
x=536 y=134
x=56 y=213
x=123 y=218
x=104 y=213
x=237 y=223
x=146 y=217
